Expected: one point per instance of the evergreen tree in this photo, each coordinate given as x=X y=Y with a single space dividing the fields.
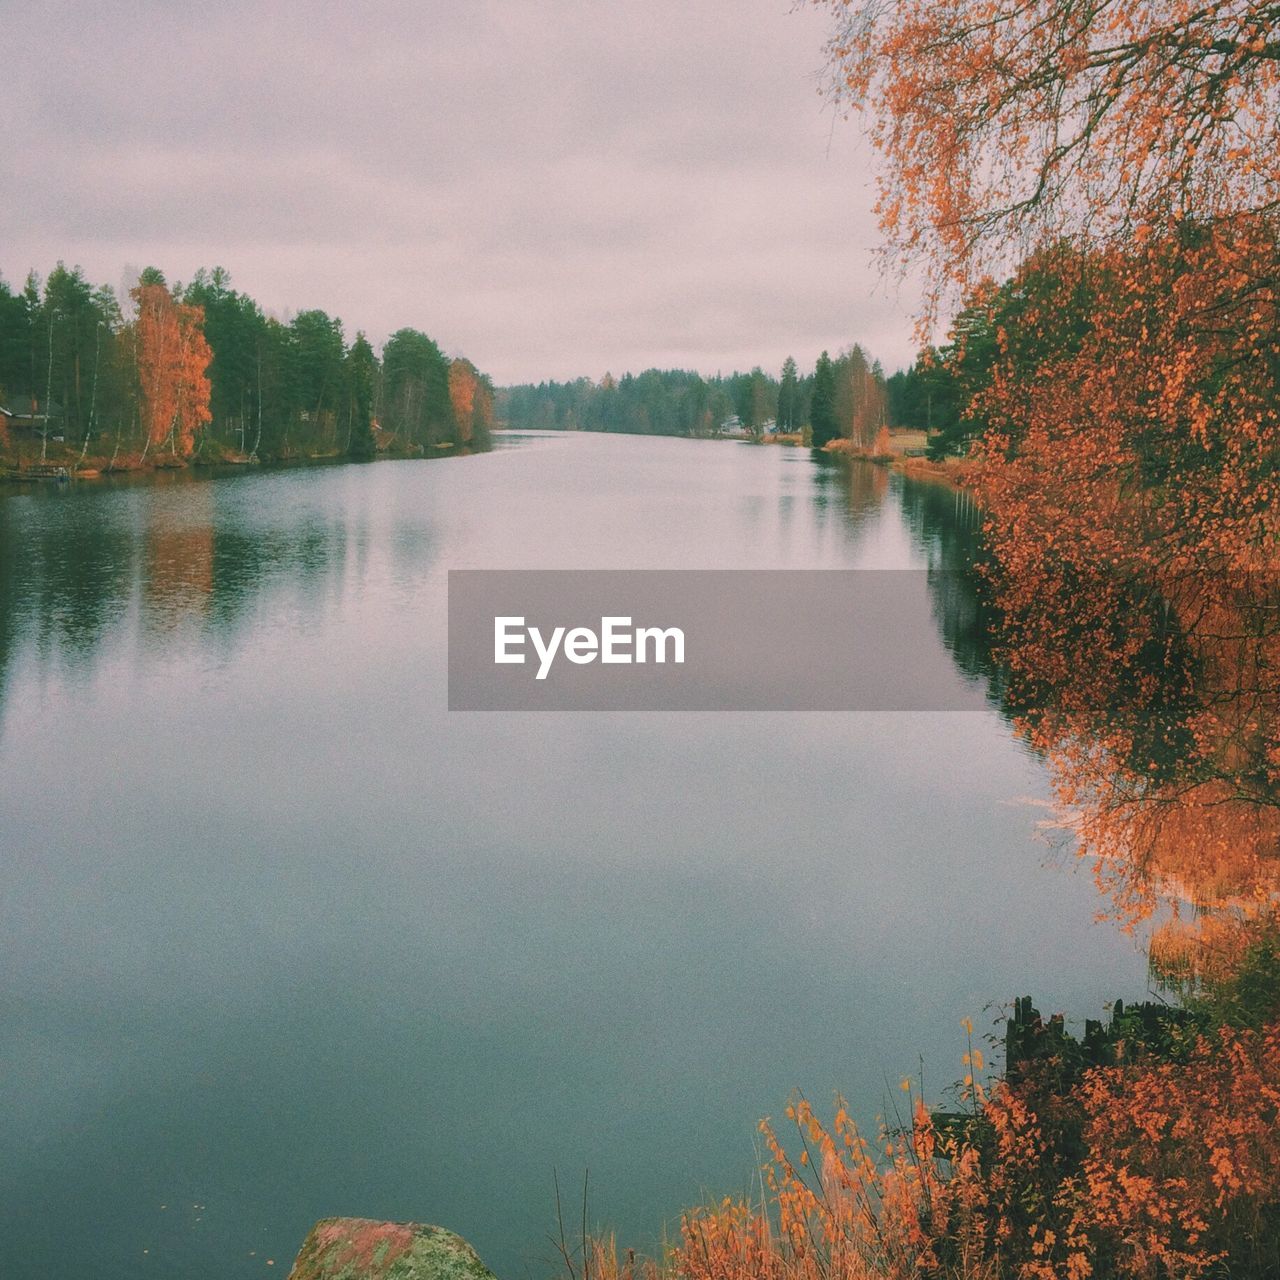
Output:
x=15 y=343
x=789 y=397
x=822 y=406
x=234 y=327
x=67 y=323
x=360 y=368
x=319 y=351
x=415 y=399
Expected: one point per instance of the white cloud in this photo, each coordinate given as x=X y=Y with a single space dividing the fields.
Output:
x=554 y=187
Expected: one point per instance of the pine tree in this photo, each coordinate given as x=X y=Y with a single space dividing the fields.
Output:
x=788 y=396
x=360 y=374
x=822 y=408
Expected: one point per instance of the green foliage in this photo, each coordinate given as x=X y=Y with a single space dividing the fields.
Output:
x=942 y=391
x=755 y=401
x=318 y=351
x=656 y=402
x=790 y=398
x=278 y=390
x=858 y=399
x=62 y=351
x=822 y=403
x=925 y=396
x=16 y=351
x=236 y=331
x=673 y=402
x=415 y=402
x=361 y=368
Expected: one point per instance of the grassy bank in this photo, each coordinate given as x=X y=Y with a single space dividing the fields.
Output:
x=903 y=450
x=24 y=461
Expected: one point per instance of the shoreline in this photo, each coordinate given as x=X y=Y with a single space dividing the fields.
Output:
x=904 y=456
x=63 y=465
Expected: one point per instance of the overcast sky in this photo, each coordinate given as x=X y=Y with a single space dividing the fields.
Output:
x=552 y=187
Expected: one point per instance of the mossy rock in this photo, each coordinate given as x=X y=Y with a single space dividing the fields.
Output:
x=362 y=1249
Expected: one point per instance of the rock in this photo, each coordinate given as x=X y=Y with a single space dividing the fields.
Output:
x=362 y=1249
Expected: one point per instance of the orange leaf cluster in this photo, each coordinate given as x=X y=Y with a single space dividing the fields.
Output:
x=1006 y=121
x=1129 y=477
x=173 y=358
x=472 y=398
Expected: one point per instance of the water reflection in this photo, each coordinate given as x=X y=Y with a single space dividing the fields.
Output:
x=64 y=576
x=177 y=571
x=1153 y=692
x=853 y=488
x=283 y=938
x=184 y=554
x=948 y=526
x=1154 y=698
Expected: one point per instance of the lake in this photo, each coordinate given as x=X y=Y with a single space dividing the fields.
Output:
x=283 y=938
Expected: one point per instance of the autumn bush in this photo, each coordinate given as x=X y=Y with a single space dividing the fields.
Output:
x=1155 y=1167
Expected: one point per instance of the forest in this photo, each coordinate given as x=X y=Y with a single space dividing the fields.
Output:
x=845 y=396
x=95 y=379
x=162 y=374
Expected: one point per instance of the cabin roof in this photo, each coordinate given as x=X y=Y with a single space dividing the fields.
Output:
x=30 y=407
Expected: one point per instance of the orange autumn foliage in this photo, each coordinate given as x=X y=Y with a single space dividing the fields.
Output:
x=1145 y=1170
x=463 y=381
x=1182 y=1156
x=1128 y=476
x=471 y=397
x=1006 y=122
x=173 y=359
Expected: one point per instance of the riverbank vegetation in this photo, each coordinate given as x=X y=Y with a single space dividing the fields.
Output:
x=910 y=420
x=843 y=397
x=1147 y=1165
x=915 y=418
x=164 y=375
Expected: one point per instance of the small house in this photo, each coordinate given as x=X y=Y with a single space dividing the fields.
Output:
x=25 y=413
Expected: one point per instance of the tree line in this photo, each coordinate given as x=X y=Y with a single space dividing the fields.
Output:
x=202 y=370
x=845 y=396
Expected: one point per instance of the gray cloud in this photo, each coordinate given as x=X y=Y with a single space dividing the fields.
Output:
x=555 y=187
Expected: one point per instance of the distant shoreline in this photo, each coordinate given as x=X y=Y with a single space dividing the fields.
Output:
x=63 y=463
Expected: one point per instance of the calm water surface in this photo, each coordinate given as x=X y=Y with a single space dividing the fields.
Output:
x=282 y=938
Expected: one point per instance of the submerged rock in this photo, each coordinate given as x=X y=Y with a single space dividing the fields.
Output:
x=363 y=1249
